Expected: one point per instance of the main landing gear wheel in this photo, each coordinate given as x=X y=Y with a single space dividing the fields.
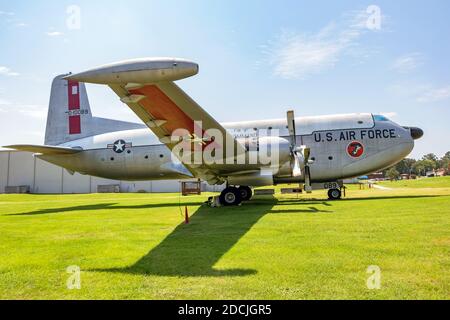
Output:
x=334 y=194
x=231 y=196
x=246 y=193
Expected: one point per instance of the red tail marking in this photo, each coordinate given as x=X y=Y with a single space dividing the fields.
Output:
x=74 y=125
x=73 y=94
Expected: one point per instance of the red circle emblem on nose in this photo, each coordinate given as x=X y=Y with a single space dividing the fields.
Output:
x=355 y=149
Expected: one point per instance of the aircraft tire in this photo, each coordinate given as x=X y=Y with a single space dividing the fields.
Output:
x=231 y=196
x=246 y=193
x=334 y=194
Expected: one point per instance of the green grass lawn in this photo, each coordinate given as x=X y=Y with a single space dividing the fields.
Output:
x=135 y=246
x=440 y=182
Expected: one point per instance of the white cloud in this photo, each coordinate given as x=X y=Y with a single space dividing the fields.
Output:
x=29 y=110
x=33 y=111
x=39 y=134
x=11 y=21
x=5 y=71
x=422 y=93
x=296 y=55
x=408 y=62
x=54 y=33
x=434 y=94
x=4 y=102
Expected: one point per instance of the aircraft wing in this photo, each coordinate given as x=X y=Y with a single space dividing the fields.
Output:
x=164 y=108
x=147 y=87
x=44 y=149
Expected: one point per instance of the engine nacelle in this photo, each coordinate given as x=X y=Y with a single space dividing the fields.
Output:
x=139 y=71
x=267 y=151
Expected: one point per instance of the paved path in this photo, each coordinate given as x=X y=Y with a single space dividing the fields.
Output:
x=381 y=187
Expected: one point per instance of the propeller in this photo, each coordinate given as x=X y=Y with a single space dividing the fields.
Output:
x=300 y=155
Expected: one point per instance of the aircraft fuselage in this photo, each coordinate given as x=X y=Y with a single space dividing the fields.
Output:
x=342 y=146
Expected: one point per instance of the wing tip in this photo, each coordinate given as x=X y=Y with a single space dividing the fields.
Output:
x=39 y=149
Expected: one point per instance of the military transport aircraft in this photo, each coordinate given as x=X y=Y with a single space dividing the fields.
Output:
x=316 y=152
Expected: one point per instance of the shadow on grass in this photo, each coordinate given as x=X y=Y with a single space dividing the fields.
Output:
x=302 y=201
x=392 y=197
x=102 y=206
x=309 y=210
x=192 y=250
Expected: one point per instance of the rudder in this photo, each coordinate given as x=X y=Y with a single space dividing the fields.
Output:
x=69 y=113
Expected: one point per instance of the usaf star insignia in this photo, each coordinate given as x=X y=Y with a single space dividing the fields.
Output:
x=119 y=146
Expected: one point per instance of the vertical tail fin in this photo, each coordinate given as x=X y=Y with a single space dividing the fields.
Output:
x=70 y=118
x=69 y=113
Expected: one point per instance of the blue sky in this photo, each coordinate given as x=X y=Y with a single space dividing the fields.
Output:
x=257 y=58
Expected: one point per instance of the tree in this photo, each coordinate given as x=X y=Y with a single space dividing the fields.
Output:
x=393 y=174
x=433 y=158
x=430 y=156
x=421 y=167
x=445 y=161
x=446 y=155
x=405 y=166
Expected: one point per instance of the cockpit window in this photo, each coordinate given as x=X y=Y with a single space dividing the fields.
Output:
x=379 y=117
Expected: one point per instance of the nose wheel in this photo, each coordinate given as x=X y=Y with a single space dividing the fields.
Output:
x=334 y=194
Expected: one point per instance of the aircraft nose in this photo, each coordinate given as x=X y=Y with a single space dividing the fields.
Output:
x=416 y=133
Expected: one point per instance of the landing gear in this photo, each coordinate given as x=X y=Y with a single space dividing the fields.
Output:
x=231 y=196
x=334 y=194
x=246 y=193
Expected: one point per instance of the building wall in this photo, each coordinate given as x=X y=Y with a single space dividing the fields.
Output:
x=48 y=177
x=4 y=163
x=21 y=168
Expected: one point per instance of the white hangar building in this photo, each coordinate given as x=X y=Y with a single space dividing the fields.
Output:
x=23 y=169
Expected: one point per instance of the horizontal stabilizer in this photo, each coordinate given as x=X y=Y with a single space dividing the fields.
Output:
x=43 y=149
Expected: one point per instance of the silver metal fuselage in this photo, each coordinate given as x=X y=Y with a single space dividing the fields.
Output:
x=329 y=137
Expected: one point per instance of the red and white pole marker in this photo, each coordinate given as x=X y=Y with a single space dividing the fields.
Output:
x=186 y=215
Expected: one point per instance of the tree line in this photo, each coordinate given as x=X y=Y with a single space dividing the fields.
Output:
x=429 y=162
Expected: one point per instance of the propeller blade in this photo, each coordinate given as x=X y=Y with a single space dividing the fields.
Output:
x=308 y=187
x=299 y=154
x=291 y=127
x=306 y=155
x=296 y=169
